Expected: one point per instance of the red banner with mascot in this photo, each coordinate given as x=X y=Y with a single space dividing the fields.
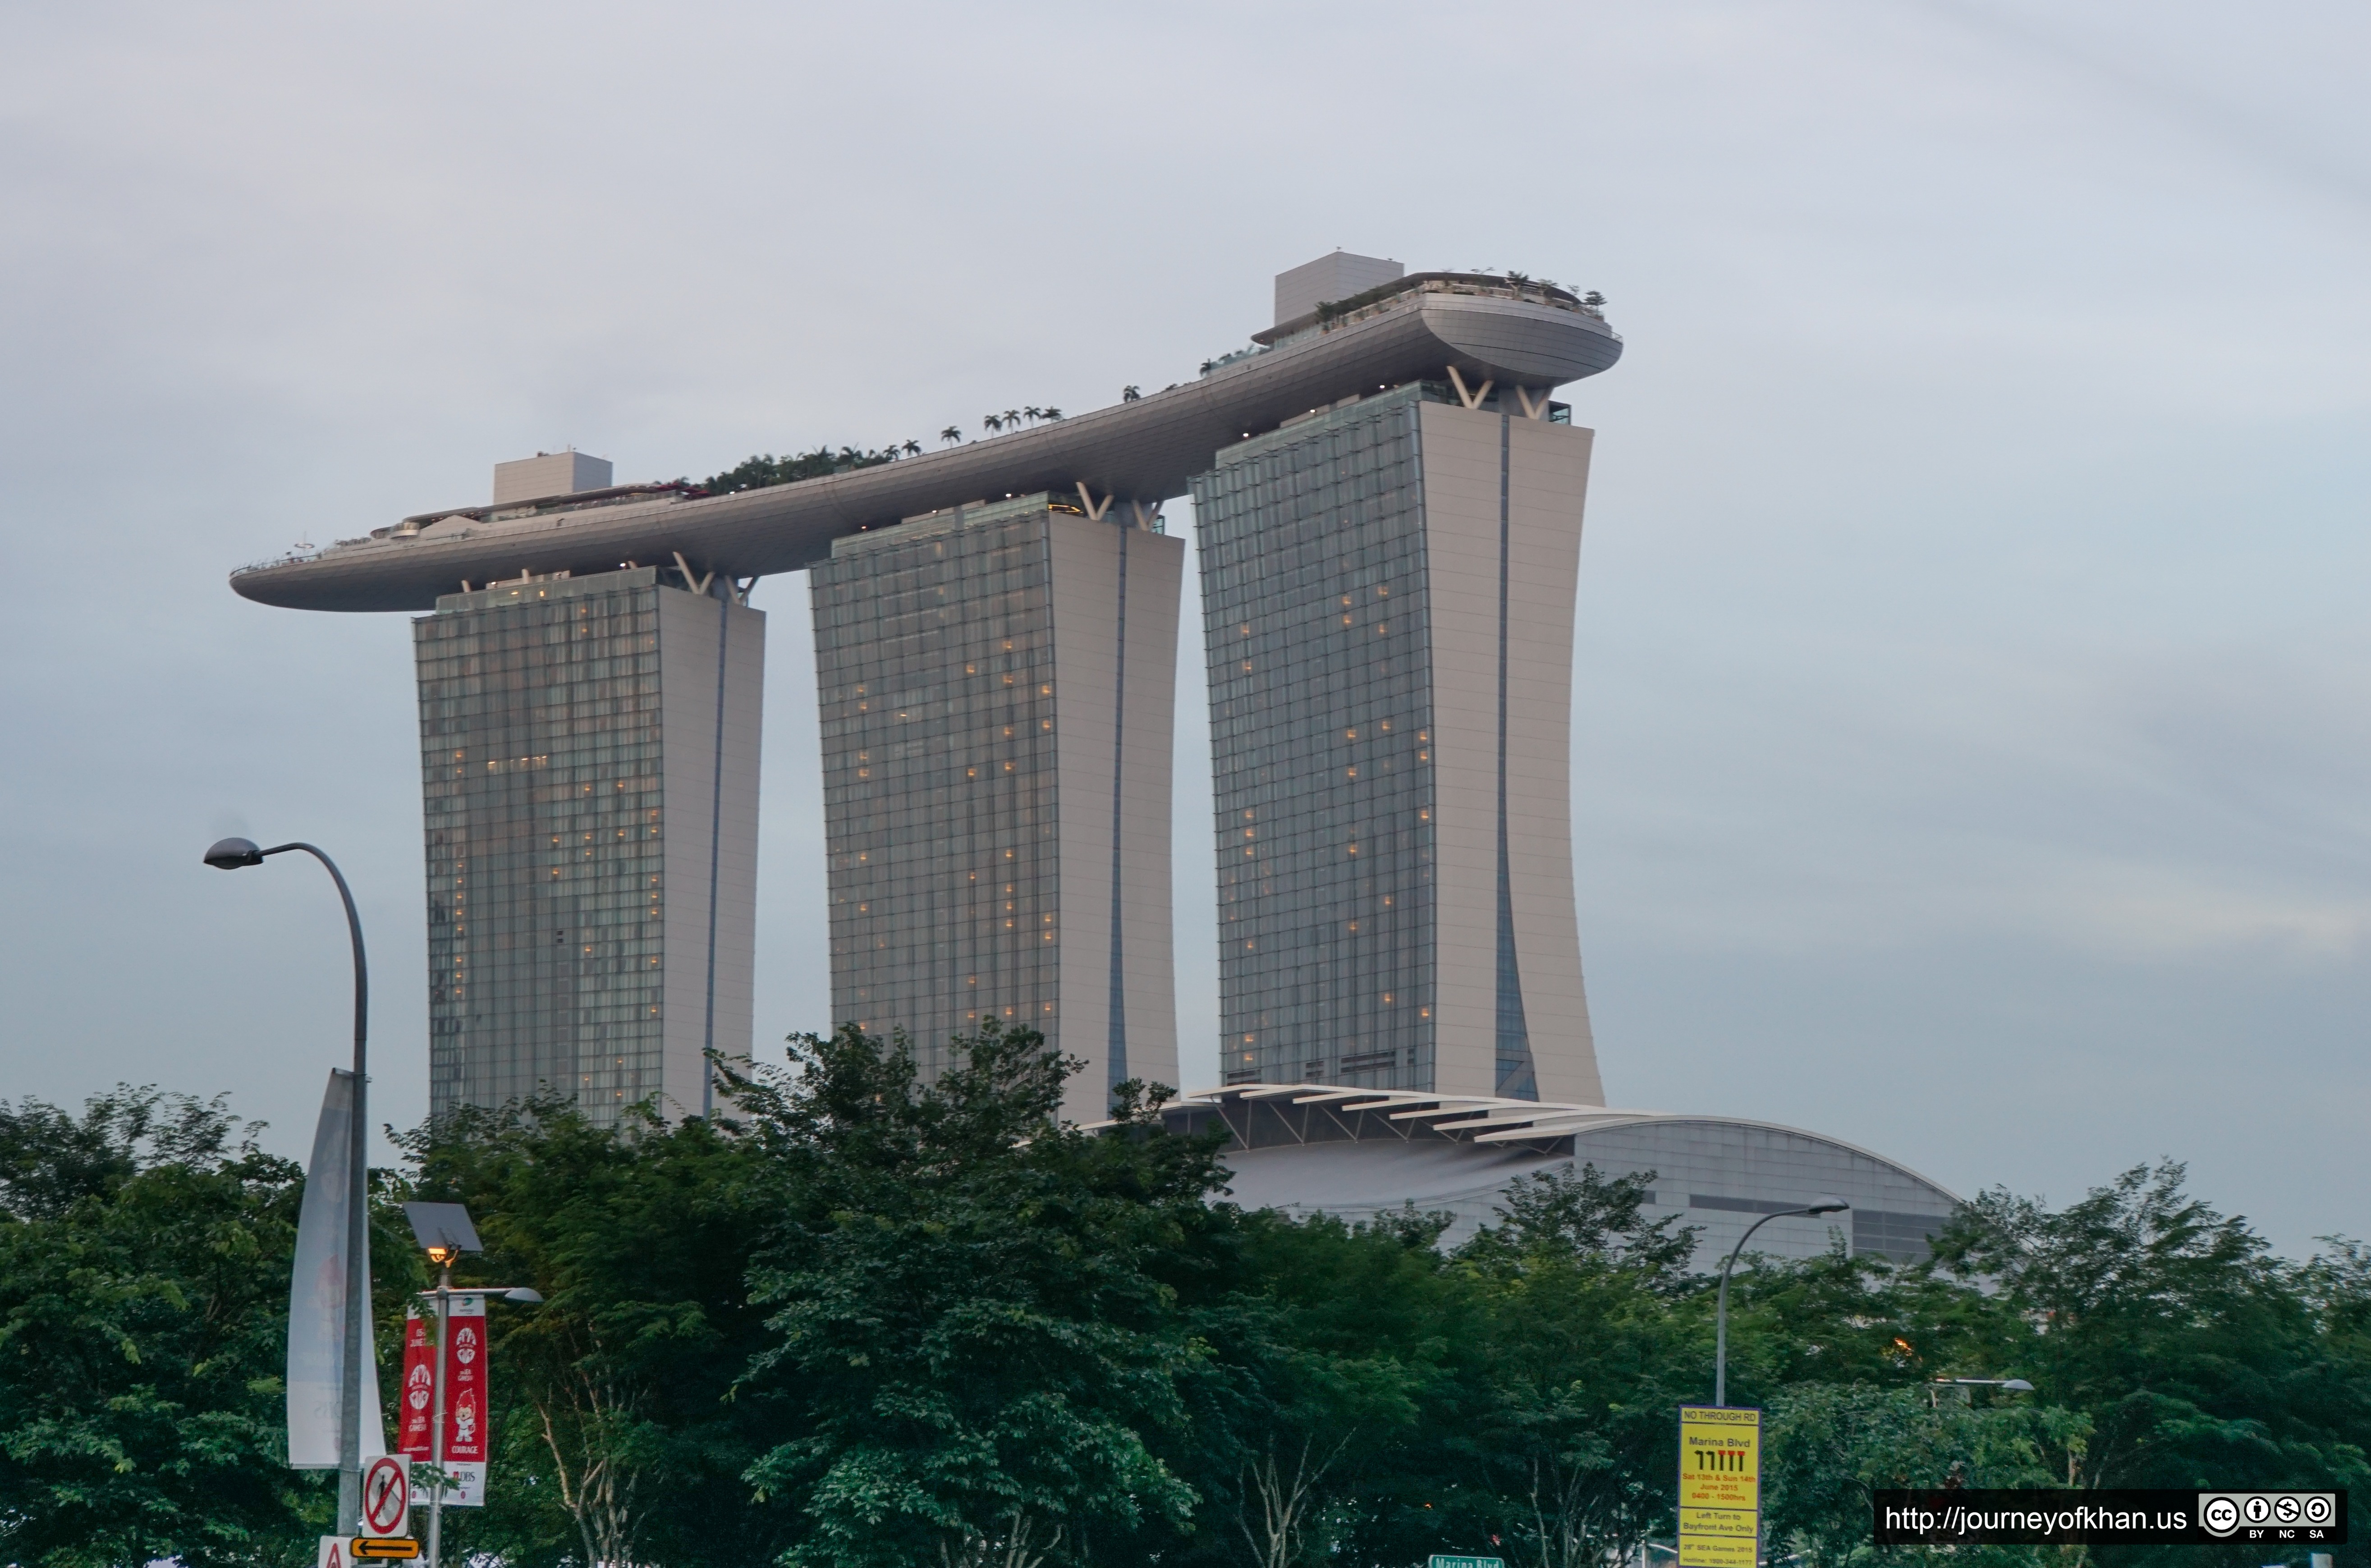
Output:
x=465 y=1399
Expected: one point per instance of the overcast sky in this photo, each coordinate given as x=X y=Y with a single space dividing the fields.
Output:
x=1972 y=749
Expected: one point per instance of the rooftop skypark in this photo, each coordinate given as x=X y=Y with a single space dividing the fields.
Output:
x=1502 y=335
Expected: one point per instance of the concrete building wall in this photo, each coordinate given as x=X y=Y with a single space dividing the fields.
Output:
x=549 y=473
x=1548 y=474
x=709 y=889
x=1156 y=584
x=1116 y=592
x=1503 y=501
x=1461 y=528
x=1337 y=276
x=1084 y=607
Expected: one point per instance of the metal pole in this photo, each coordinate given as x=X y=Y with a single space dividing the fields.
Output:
x=1720 y=1318
x=358 y=1363
x=436 y=1417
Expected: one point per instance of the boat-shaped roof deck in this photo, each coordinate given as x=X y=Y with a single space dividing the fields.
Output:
x=1486 y=329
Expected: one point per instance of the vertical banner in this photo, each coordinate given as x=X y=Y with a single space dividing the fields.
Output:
x=317 y=1298
x=465 y=1404
x=419 y=1400
x=465 y=1399
x=1721 y=1487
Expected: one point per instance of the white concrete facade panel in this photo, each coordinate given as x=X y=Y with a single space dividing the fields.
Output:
x=711 y=887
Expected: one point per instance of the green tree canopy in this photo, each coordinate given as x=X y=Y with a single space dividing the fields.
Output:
x=856 y=1318
x=974 y=1308
x=144 y=1255
x=763 y=470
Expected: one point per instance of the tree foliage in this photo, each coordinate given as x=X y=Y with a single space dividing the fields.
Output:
x=145 y=1255
x=1832 y=1446
x=971 y=1305
x=764 y=470
x=856 y=1318
x=616 y=1433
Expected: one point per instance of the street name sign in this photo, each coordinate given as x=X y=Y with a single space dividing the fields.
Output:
x=1443 y=1560
x=1721 y=1487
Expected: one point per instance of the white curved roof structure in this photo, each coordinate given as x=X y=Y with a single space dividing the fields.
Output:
x=1308 y=1148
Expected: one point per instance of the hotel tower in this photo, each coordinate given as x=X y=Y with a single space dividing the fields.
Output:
x=1387 y=509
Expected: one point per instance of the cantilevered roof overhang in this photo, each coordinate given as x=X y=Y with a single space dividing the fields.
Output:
x=1143 y=451
x=1276 y=1115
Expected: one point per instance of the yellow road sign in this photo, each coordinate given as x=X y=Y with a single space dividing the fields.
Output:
x=362 y=1549
x=1721 y=1487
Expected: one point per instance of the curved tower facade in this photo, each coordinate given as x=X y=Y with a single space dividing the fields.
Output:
x=1388 y=595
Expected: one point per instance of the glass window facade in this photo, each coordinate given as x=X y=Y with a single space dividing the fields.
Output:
x=1311 y=542
x=996 y=687
x=545 y=776
x=934 y=660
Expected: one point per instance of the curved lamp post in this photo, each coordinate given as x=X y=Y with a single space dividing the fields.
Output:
x=229 y=855
x=1721 y=1319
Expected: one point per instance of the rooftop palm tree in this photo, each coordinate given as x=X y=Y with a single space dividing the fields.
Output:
x=912 y=448
x=951 y=435
x=1012 y=416
x=1030 y=413
x=992 y=421
x=1051 y=414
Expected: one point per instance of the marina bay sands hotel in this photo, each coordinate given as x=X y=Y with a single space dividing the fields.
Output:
x=1387 y=501
x=1387 y=505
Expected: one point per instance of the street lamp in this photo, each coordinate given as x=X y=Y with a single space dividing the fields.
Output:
x=1720 y=1318
x=1966 y=1387
x=445 y=1232
x=230 y=855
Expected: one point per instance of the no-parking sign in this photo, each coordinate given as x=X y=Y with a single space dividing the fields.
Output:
x=387 y=1496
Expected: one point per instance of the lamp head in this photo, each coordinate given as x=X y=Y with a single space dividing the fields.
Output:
x=230 y=854
x=442 y=1255
x=2017 y=1386
x=524 y=1297
x=1826 y=1205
